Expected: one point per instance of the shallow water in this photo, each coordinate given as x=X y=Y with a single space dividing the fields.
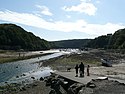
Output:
x=13 y=71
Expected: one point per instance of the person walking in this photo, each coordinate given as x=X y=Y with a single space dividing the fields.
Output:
x=76 y=68
x=81 y=69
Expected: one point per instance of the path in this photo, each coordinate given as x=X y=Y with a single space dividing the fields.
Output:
x=71 y=75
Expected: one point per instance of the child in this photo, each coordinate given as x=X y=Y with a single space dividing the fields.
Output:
x=88 y=70
x=76 y=68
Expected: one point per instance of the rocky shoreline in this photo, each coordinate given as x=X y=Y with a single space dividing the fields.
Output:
x=62 y=85
x=55 y=84
x=37 y=87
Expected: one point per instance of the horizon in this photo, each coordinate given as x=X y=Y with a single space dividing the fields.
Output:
x=65 y=19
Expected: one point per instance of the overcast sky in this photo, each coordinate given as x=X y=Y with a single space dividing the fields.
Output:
x=65 y=19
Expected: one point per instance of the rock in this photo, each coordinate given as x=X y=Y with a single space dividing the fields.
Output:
x=106 y=63
x=102 y=78
x=24 y=74
x=34 y=85
x=41 y=79
x=22 y=89
x=86 y=90
x=16 y=66
x=91 y=85
x=17 y=76
x=75 y=88
x=122 y=84
x=33 y=77
x=4 y=72
x=49 y=80
x=23 y=82
x=52 y=91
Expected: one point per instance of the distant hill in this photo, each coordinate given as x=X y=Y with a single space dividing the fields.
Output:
x=74 y=43
x=13 y=37
x=115 y=41
x=100 y=42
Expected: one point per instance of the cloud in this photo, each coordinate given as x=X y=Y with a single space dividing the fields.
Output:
x=103 y=29
x=84 y=0
x=44 y=10
x=68 y=16
x=83 y=7
x=98 y=2
x=79 y=25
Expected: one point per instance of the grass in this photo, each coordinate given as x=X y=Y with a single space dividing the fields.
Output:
x=71 y=60
x=13 y=56
x=8 y=59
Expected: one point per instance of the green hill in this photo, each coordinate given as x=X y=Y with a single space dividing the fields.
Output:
x=13 y=37
x=100 y=42
x=115 y=41
x=118 y=39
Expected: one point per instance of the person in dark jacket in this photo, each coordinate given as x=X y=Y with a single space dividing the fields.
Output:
x=81 y=69
x=76 y=68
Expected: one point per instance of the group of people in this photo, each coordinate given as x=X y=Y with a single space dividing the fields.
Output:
x=80 y=68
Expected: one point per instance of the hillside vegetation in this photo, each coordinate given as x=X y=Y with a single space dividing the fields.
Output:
x=13 y=37
x=109 y=41
x=74 y=43
x=118 y=39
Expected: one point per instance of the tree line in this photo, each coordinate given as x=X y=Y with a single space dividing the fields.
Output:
x=13 y=37
x=74 y=43
x=109 y=41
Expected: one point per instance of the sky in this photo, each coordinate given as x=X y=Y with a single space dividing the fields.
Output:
x=55 y=20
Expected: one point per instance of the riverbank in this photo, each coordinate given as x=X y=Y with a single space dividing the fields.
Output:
x=10 y=56
x=92 y=58
x=23 y=71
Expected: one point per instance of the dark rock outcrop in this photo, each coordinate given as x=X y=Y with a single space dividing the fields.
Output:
x=95 y=86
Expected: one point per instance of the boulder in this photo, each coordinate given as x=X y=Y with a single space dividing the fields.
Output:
x=91 y=85
x=33 y=77
x=75 y=88
x=41 y=79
